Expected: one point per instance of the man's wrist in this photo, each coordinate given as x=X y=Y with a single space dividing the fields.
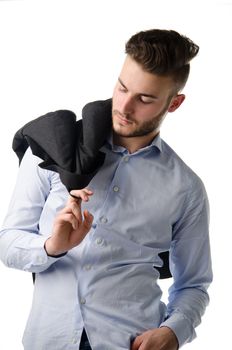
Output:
x=172 y=335
x=51 y=252
x=57 y=256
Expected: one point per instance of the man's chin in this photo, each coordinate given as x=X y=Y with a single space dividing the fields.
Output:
x=121 y=131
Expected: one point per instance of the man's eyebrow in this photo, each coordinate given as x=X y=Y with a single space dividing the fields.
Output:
x=142 y=94
x=120 y=81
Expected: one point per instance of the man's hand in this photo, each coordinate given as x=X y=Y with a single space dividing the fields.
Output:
x=70 y=228
x=156 y=339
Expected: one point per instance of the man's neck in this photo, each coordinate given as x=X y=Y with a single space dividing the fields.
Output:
x=133 y=144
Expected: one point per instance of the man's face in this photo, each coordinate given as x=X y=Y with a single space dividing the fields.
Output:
x=141 y=101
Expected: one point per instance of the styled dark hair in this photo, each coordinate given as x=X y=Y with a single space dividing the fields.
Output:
x=164 y=53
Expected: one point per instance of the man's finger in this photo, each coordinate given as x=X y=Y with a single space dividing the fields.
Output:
x=76 y=210
x=136 y=343
x=73 y=208
x=67 y=218
x=81 y=194
x=88 y=220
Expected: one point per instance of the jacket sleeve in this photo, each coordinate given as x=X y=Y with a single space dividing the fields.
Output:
x=21 y=244
x=190 y=264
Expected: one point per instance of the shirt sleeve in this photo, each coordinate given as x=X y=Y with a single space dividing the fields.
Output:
x=190 y=265
x=21 y=244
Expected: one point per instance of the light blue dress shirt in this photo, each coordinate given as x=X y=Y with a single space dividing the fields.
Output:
x=143 y=204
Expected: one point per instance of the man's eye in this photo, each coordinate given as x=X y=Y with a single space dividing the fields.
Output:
x=122 y=89
x=146 y=100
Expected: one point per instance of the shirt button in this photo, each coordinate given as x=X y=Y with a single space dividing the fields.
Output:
x=126 y=159
x=40 y=260
x=116 y=188
x=74 y=340
x=99 y=240
x=103 y=220
x=83 y=301
x=88 y=267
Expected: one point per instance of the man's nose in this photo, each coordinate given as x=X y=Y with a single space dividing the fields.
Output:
x=127 y=105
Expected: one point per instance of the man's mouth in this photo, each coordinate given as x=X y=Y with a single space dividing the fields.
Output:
x=122 y=120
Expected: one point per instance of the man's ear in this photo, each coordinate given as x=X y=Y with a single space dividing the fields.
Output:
x=176 y=102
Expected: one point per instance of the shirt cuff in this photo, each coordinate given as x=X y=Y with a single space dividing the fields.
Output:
x=181 y=326
x=41 y=258
x=32 y=256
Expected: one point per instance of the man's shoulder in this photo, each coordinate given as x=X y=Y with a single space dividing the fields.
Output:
x=181 y=167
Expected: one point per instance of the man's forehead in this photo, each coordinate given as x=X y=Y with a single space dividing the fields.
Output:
x=136 y=79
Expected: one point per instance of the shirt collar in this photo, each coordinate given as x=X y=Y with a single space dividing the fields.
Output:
x=157 y=142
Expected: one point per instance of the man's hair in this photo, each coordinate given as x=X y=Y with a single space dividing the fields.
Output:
x=164 y=53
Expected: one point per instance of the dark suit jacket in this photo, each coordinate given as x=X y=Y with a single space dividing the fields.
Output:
x=67 y=146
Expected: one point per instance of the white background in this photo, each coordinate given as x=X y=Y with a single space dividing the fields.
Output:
x=63 y=54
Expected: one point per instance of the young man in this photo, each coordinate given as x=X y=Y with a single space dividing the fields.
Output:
x=96 y=283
